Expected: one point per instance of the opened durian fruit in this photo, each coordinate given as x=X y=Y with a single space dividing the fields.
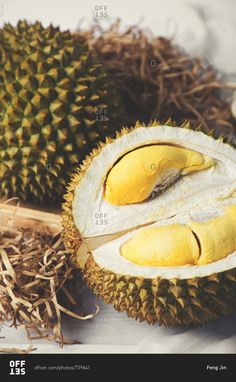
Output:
x=150 y=218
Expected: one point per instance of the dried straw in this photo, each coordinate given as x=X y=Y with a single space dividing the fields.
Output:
x=156 y=79
x=34 y=268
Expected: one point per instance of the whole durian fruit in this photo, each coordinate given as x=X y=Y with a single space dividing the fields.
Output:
x=56 y=103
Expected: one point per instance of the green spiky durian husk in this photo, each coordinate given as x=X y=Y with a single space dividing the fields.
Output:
x=193 y=301
x=51 y=93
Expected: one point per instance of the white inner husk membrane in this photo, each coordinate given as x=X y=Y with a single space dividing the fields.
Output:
x=196 y=196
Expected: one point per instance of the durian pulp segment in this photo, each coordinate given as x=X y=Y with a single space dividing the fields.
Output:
x=216 y=237
x=219 y=223
x=171 y=245
x=194 y=243
x=138 y=173
x=199 y=191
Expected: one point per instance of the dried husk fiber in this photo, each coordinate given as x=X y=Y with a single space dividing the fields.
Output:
x=157 y=79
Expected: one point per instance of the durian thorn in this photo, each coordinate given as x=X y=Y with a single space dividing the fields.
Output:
x=211 y=133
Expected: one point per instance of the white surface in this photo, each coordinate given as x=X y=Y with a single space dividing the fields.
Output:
x=203 y=27
x=113 y=332
x=207 y=30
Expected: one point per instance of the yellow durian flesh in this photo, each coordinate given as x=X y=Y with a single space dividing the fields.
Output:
x=134 y=177
x=217 y=237
x=170 y=245
x=194 y=243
